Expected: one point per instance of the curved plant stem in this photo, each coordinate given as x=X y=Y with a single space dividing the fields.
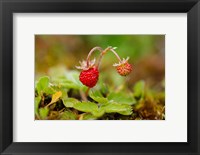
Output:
x=116 y=54
x=104 y=52
x=91 y=51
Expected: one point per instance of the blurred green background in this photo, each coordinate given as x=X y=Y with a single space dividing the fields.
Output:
x=146 y=52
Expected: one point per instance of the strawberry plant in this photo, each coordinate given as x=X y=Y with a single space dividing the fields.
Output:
x=73 y=95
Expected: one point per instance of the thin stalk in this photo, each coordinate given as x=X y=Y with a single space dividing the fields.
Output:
x=116 y=54
x=87 y=91
x=49 y=104
x=91 y=51
x=83 y=95
x=104 y=52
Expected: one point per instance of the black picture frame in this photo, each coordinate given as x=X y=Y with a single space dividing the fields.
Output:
x=8 y=7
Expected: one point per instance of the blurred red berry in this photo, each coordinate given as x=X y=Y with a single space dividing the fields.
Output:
x=124 y=69
x=89 y=77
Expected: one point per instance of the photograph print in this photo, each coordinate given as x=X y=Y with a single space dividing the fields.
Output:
x=99 y=77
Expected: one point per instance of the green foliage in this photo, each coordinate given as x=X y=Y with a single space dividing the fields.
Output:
x=139 y=89
x=42 y=84
x=43 y=112
x=61 y=98
x=87 y=116
x=86 y=106
x=66 y=79
x=68 y=115
x=113 y=107
x=100 y=109
x=98 y=97
x=121 y=98
x=69 y=102
x=37 y=102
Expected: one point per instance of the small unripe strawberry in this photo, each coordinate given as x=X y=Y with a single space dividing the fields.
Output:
x=89 y=77
x=123 y=67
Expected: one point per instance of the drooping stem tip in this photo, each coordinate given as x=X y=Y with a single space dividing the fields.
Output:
x=91 y=51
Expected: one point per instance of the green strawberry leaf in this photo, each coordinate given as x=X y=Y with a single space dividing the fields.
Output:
x=69 y=102
x=49 y=90
x=98 y=97
x=118 y=108
x=42 y=84
x=86 y=106
x=68 y=115
x=121 y=98
x=37 y=102
x=73 y=76
x=98 y=113
x=87 y=116
x=43 y=112
x=62 y=81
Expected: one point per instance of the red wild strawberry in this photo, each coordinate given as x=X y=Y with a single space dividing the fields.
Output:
x=89 y=77
x=123 y=68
